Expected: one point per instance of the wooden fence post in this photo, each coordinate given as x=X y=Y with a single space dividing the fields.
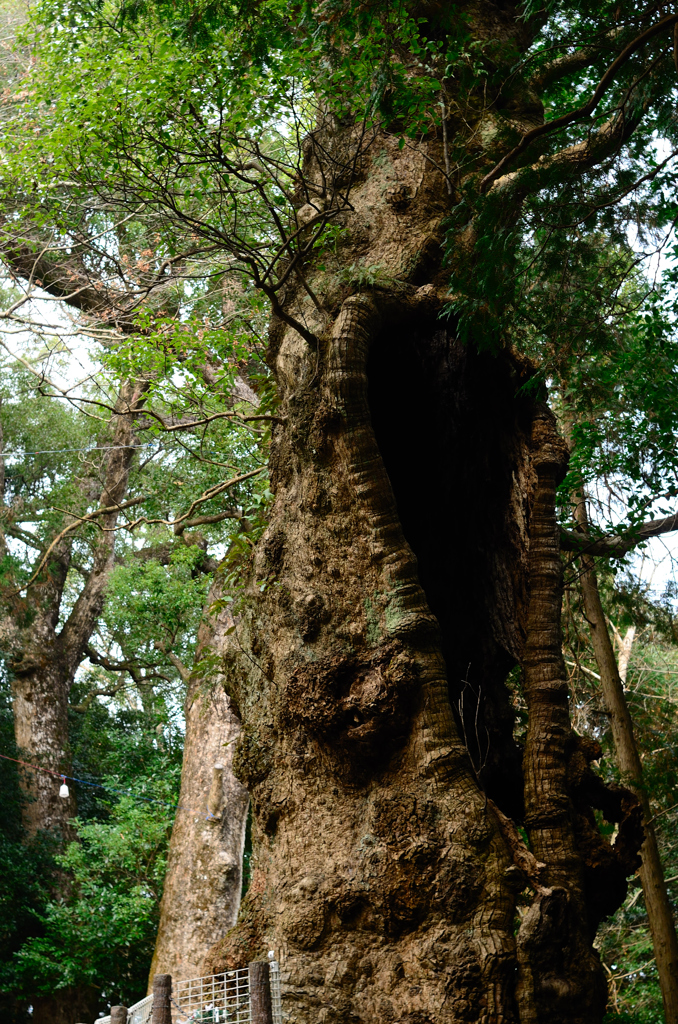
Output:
x=161 y=1011
x=118 y=1015
x=260 y=994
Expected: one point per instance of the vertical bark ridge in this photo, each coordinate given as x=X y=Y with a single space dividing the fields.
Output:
x=407 y=612
x=346 y=382
x=561 y=979
x=548 y=816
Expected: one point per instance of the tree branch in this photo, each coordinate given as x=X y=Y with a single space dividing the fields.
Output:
x=581 y=156
x=218 y=517
x=74 y=526
x=79 y=625
x=69 y=280
x=211 y=492
x=131 y=667
x=587 y=109
x=568 y=63
x=83 y=707
x=616 y=545
x=184 y=673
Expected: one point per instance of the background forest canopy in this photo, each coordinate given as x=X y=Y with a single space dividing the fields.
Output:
x=155 y=209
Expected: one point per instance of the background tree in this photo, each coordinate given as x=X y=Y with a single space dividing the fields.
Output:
x=135 y=645
x=619 y=416
x=201 y=896
x=626 y=941
x=114 y=867
x=44 y=652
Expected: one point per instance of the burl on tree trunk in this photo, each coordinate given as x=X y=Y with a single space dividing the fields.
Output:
x=411 y=560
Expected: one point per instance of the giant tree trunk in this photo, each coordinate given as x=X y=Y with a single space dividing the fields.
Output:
x=410 y=562
x=201 y=895
x=382 y=875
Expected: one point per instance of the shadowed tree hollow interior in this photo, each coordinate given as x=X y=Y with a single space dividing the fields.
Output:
x=446 y=419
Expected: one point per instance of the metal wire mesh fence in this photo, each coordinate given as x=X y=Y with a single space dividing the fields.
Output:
x=217 y=999
x=276 y=1000
x=220 y=999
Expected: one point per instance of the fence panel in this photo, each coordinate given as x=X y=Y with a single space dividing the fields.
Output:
x=140 y=1013
x=217 y=999
x=276 y=1001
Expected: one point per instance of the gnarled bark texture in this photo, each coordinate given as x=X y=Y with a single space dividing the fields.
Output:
x=582 y=877
x=201 y=895
x=410 y=562
x=381 y=878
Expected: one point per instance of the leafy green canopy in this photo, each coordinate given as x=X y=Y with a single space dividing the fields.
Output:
x=203 y=143
x=104 y=934
x=191 y=119
x=54 y=465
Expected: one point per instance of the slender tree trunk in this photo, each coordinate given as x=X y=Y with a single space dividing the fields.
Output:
x=659 y=912
x=41 y=732
x=40 y=688
x=201 y=895
x=44 y=665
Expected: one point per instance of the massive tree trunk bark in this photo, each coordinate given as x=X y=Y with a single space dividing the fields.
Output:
x=580 y=877
x=410 y=562
x=382 y=875
x=201 y=895
x=659 y=912
x=559 y=969
x=45 y=658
